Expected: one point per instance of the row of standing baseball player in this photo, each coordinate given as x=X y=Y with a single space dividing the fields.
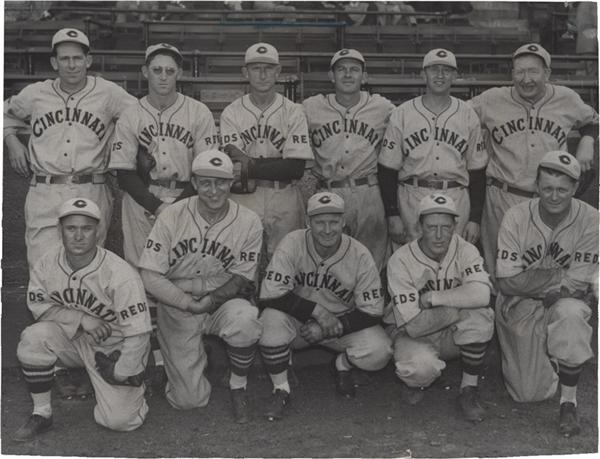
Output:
x=72 y=118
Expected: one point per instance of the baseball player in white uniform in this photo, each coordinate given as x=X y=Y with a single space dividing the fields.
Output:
x=346 y=129
x=433 y=142
x=72 y=122
x=547 y=275
x=200 y=263
x=90 y=310
x=168 y=130
x=524 y=122
x=439 y=309
x=321 y=287
x=269 y=134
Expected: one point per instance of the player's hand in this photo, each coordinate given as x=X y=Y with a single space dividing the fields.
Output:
x=204 y=305
x=585 y=153
x=396 y=229
x=471 y=232
x=312 y=332
x=331 y=325
x=425 y=300
x=17 y=155
x=97 y=328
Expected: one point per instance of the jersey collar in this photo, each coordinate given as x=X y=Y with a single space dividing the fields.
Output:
x=433 y=264
x=335 y=104
x=333 y=259
x=92 y=266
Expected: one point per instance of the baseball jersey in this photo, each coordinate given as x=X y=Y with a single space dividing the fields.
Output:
x=411 y=273
x=418 y=143
x=346 y=280
x=173 y=136
x=520 y=132
x=70 y=133
x=525 y=242
x=108 y=288
x=183 y=245
x=279 y=131
x=346 y=140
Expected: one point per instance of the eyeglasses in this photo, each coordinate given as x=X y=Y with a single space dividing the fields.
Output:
x=170 y=71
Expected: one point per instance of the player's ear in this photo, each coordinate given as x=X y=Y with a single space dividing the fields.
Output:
x=245 y=72
x=365 y=77
x=194 y=184
x=277 y=71
x=145 y=71
x=179 y=72
x=88 y=61
x=54 y=63
x=331 y=77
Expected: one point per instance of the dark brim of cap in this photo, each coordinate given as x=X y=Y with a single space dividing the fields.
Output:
x=212 y=173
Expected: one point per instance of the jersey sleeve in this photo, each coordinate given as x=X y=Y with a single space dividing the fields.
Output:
x=280 y=273
x=125 y=143
x=585 y=114
x=229 y=131
x=368 y=294
x=472 y=268
x=119 y=100
x=155 y=256
x=205 y=131
x=477 y=155
x=403 y=291
x=297 y=145
x=390 y=154
x=583 y=269
x=247 y=265
x=129 y=298
x=508 y=258
x=17 y=111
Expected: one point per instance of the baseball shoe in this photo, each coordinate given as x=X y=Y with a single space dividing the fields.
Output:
x=65 y=385
x=240 y=405
x=155 y=381
x=412 y=395
x=276 y=405
x=34 y=426
x=344 y=383
x=470 y=405
x=84 y=388
x=568 y=424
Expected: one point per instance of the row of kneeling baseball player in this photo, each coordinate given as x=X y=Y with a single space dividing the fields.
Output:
x=321 y=287
x=430 y=143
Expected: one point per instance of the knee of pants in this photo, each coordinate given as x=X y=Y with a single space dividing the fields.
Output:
x=570 y=309
x=241 y=327
x=122 y=421
x=277 y=328
x=373 y=353
x=32 y=348
x=475 y=326
x=420 y=367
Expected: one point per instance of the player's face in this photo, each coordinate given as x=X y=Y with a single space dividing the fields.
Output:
x=79 y=234
x=555 y=192
x=326 y=229
x=437 y=231
x=71 y=63
x=347 y=75
x=213 y=192
x=162 y=73
x=439 y=78
x=261 y=77
x=530 y=77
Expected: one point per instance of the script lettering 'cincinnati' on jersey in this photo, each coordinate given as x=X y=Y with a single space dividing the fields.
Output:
x=346 y=280
x=68 y=115
x=411 y=273
x=542 y=125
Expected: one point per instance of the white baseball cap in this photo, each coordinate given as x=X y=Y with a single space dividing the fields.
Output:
x=213 y=163
x=535 y=49
x=153 y=49
x=347 y=54
x=437 y=203
x=325 y=203
x=261 y=53
x=79 y=206
x=440 y=56
x=562 y=161
x=70 y=35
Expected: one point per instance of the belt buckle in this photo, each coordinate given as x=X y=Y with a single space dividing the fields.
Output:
x=72 y=179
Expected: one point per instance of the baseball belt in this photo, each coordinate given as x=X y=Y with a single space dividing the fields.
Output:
x=96 y=179
x=278 y=185
x=435 y=184
x=510 y=189
x=348 y=182
x=171 y=184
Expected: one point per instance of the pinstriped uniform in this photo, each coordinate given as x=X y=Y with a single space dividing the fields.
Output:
x=530 y=334
x=70 y=135
x=346 y=144
x=279 y=131
x=174 y=137
x=422 y=145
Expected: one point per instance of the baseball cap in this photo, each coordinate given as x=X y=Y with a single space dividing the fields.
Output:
x=79 y=206
x=347 y=54
x=170 y=49
x=263 y=53
x=437 y=203
x=213 y=163
x=440 y=56
x=562 y=161
x=325 y=203
x=533 y=48
x=70 y=35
